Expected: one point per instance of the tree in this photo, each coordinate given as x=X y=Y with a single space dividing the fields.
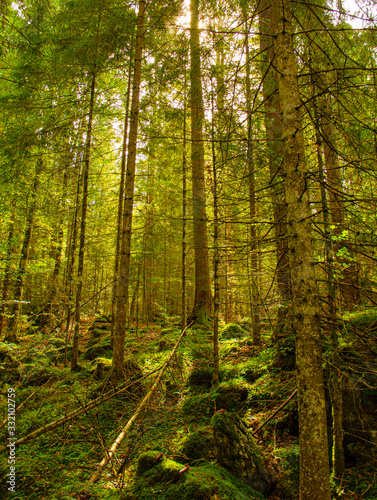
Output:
x=314 y=463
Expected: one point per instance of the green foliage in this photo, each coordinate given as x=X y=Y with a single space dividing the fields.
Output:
x=231 y=331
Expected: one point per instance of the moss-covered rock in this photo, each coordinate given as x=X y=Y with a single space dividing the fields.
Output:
x=98 y=348
x=237 y=451
x=198 y=406
x=165 y=479
x=200 y=377
x=232 y=331
x=199 y=444
x=231 y=396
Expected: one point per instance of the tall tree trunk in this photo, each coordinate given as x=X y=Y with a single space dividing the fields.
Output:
x=348 y=283
x=80 y=269
x=203 y=301
x=274 y=146
x=314 y=460
x=335 y=380
x=120 y=206
x=125 y=257
x=7 y=270
x=251 y=177
x=216 y=301
x=12 y=329
x=184 y=217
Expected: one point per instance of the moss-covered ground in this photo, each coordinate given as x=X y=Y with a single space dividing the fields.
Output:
x=176 y=423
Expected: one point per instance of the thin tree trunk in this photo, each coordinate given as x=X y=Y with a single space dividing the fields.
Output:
x=120 y=206
x=336 y=393
x=8 y=269
x=184 y=217
x=80 y=269
x=314 y=461
x=203 y=300
x=216 y=301
x=348 y=283
x=251 y=177
x=125 y=257
x=12 y=329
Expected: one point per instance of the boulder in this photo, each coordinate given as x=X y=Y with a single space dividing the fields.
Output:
x=236 y=451
x=165 y=479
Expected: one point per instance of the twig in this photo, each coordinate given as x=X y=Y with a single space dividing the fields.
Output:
x=275 y=412
x=76 y=413
x=97 y=474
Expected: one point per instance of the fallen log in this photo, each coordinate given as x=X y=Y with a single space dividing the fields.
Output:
x=97 y=474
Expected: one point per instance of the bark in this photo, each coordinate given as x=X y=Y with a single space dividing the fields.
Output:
x=12 y=329
x=125 y=257
x=184 y=217
x=203 y=301
x=120 y=206
x=80 y=268
x=216 y=301
x=314 y=461
x=7 y=270
x=255 y=298
x=273 y=126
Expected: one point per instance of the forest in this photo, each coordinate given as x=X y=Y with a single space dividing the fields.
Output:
x=188 y=277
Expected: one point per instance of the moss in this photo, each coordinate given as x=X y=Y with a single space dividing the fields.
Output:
x=163 y=480
x=198 y=445
x=200 y=377
x=232 y=331
x=198 y=406
x=98 y=348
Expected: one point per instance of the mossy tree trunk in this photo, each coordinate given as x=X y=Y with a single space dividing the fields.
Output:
x=203 y=300
x=314 y=460
x=125 y=255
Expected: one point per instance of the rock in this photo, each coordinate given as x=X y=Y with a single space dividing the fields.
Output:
x=98 y=348
x=159 y=477
x=200 y=377
x=231 y=396
x=198 y=444
x=237 y=451
x=232 y=331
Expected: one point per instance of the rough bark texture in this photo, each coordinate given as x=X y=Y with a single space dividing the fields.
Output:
x=125 y=256
x=314 y=461
x=203 y=301
x=273 y=126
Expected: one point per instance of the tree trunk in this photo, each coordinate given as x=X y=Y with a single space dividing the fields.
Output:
x=274 y=146
x=184 y=217
x=314 y=461
x=12 y=329
x=255 y=298
x=80 y=268
x=120 y=206
x=203 y=301
x=125 y=257
x=7 y=270
x=348 y=283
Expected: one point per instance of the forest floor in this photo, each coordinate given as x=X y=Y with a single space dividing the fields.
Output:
x=57 y=464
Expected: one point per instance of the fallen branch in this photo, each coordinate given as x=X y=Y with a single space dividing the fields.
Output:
x=275 y=412
x=76 y=413
x=97 y=474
